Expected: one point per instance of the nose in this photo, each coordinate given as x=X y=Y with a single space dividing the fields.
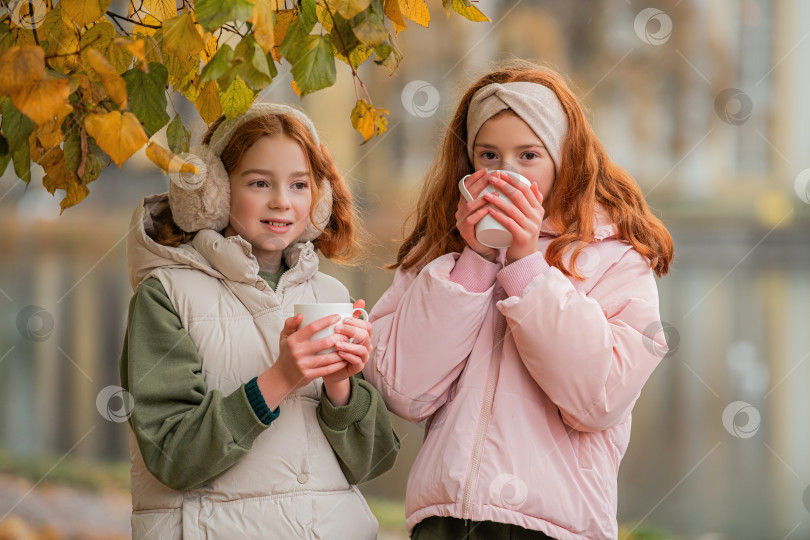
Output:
x=278 y=199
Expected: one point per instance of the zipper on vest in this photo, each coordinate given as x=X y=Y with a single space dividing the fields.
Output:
x=485 y=411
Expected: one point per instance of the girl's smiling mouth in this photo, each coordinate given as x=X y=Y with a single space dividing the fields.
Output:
x=277 y=225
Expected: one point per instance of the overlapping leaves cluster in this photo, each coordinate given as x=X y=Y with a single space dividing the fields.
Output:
x=82 y=84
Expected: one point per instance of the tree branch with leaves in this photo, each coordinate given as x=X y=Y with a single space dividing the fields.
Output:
x=83 y=85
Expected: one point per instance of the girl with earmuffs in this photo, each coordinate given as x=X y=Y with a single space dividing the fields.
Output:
x=240 y=428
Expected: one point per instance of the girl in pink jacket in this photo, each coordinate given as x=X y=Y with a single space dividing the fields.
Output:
x=525 y=361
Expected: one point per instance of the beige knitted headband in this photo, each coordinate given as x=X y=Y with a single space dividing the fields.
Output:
x=535 y=104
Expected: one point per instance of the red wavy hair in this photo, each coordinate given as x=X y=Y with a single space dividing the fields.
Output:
x=587 y=177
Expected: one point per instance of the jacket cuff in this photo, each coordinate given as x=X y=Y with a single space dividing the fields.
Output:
x=257 y=403
x=340 y=418
x=473 y=272
x=516 y=276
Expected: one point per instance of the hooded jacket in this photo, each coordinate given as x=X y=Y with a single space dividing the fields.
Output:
x=290 y=485
x=526 y=378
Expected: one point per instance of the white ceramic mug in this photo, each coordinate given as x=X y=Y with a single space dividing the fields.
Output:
x=489 y=231
x=313 y=312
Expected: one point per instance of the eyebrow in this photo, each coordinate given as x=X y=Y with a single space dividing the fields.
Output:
x=296 y=174
x=521 y=147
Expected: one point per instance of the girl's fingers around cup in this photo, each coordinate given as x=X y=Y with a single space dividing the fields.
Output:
x=508 y=208
x=316 y=326
x=354 y=329
x=318 y=345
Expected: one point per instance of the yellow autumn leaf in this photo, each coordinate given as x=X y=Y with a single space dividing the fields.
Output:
x=211 y=46
x=50 y=133
x=393 y=12
x=22 y=65
x=295 y=88
x=466 y=9
x=415 y=10
x=118 y=134
x=163 y=10
x=76 y=193
x=363 y=119
x=43 y=100
x=262 y=20
x=84 y=12
x=168 y=161
x=207 y=102
x=181 y=36
x=136 y=47
x=283 y=19
x=149 y=20
x=113 y=82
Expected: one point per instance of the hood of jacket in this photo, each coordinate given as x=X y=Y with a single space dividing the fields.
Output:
x=230 y=258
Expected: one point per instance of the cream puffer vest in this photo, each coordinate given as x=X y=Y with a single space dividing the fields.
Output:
x=290 y=484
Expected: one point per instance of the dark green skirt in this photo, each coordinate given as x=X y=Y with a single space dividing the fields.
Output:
x=450 y=528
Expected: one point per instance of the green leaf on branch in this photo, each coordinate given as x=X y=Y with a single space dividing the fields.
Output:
x=388 y=55
x=147 y=96
x=314 y=67
x=291 y=45
x=178 y=136
x=218 y=65
x=308 y=14
x=368 y=26
x=5 y=155
x=212 y=14
x=17 y=127
x=236 y=99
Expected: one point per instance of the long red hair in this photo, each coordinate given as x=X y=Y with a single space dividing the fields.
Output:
x=586 y=177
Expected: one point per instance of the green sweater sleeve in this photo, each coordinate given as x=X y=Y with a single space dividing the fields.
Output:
x=187 y=435
x=360 y=432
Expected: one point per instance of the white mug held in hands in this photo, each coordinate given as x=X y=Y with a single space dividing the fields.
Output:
x=489 y=231
x=313 y=312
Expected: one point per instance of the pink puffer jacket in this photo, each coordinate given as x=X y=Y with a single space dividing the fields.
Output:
x=527 y=378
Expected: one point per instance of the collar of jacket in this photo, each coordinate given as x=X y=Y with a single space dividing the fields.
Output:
x=221 y=257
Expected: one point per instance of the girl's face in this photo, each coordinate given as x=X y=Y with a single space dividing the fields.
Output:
x=508 y=143
x=270 y=194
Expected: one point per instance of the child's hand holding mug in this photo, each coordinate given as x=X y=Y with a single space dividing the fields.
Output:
x=471 y=211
